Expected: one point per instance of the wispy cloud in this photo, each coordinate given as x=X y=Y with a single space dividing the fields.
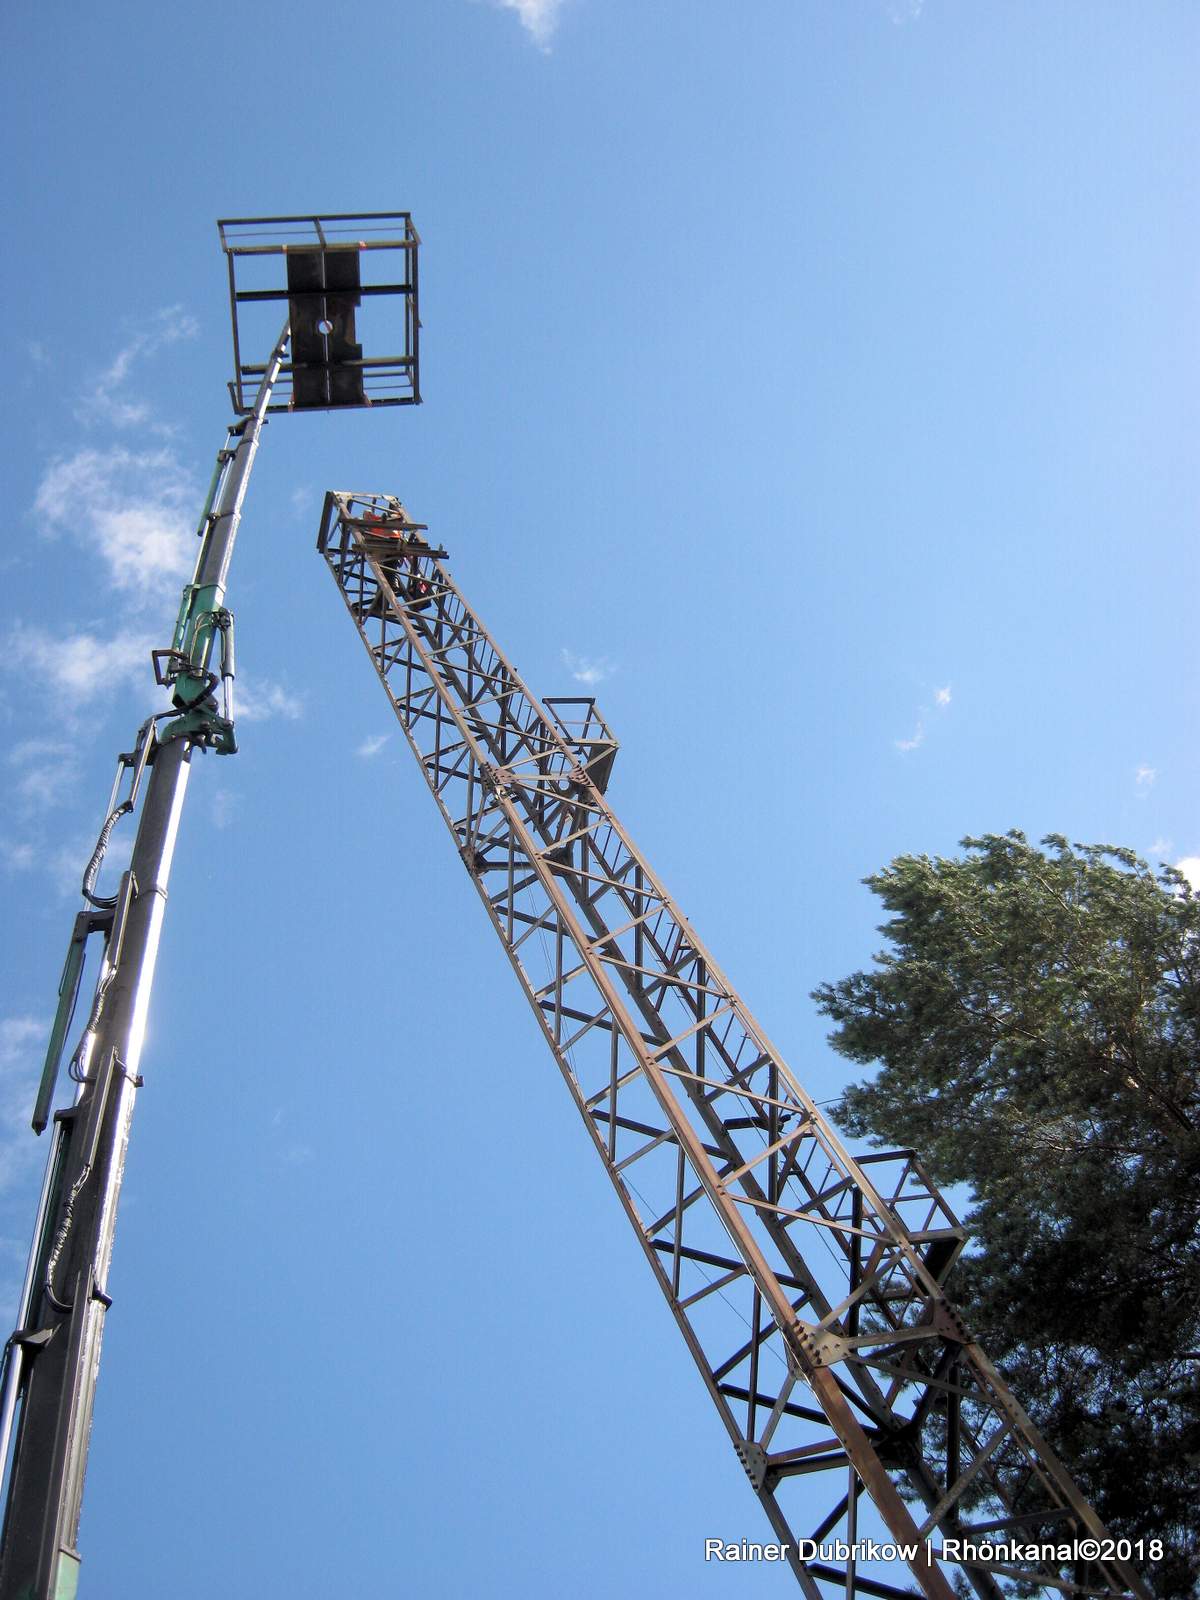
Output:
x=287 y=1149
x=941 y=701
x=224 y=806
x=79 y=666
x=17 y=1034
x=45 y=769
x=105 y=399
x=372 y=746
x=587 y=669
x=1144 y=777
x=262 y=699
x=539 y=18
x=1159 y=850
x=76 y=668
x=135 y=511
x=19 y=855
x=131 y=508
x=902 y=11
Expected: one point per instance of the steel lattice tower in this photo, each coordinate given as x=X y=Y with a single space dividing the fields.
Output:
x=808 y=1285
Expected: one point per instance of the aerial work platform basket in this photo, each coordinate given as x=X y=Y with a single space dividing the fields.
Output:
x=338 y=277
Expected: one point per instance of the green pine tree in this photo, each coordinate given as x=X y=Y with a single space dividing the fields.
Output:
x=1036 y=1019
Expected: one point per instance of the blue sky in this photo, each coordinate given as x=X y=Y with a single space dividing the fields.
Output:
x=818 y=382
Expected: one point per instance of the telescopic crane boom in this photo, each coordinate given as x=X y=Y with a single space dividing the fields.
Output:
x=52 y=1357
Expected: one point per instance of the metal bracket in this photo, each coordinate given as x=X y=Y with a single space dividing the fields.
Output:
x=945 y=1318
x=87 y=922
x=757 y=1464
x=204 y=727
x=34 y=1339
x=496 y=780
x=120 y=1070
x=168 y=664
x=819 y=1346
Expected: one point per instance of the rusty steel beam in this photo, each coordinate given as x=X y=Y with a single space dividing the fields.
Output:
x=808 y=1285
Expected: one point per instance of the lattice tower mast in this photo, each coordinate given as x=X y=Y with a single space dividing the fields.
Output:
x=808 y=1286
x=753 y=1218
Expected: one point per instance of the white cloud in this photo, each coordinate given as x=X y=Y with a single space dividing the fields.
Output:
x=264 y=700
x=539 y=18
x=18 y=856
x=585 y=669
x=1159 y=850
x=16 y=1035
x=132 y=509
x=372 y=746
x=47 y=767
x=79 y=667
x=142 y=543
x=224 y=805
x=301 y=499
x=104 y=401
x=1190 y=867
x=902 y=11
x=941 y=700
x=1144 y=776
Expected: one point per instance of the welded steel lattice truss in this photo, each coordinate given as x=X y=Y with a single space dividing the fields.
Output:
x=807 y=1285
